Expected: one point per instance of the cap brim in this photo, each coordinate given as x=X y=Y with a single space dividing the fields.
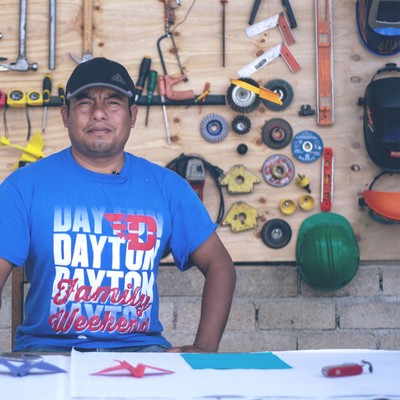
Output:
x=128 y=94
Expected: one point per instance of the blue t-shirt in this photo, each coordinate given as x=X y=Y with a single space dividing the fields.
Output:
x=91 y=245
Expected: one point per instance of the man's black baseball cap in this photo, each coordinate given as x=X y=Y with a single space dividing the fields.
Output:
x=100 y=72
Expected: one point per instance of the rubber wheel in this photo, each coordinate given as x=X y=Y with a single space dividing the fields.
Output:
x=243 y=100
x=285 y=92
x=276 y=233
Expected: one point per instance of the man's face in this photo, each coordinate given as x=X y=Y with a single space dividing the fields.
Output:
x=99 y=122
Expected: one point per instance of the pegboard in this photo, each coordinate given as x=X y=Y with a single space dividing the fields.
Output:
x=127 y=31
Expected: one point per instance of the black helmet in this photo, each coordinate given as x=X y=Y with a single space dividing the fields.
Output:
x=381 y=103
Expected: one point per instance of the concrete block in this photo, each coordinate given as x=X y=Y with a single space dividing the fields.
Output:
x=389 y=340
x=242 y=316
x=257 y=341
x=173 y=282
x=167 y=314
x=266 y=281
x=390 y=280
x=5 y=311
x=187 y=314
x=336 y=340
x=369 y=314
x=297 y=314
x=365 y=283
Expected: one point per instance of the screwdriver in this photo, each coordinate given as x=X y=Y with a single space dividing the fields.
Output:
x=161 y=92
x=46 y=97
x=143 y=72
x=61 y=93
x=151 y=85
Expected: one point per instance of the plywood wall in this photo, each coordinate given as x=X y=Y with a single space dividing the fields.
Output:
x=128 y=30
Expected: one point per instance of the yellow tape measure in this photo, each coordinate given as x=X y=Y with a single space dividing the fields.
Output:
x=17 y=99
x=35 y=98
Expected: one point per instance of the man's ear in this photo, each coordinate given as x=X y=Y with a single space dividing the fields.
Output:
x=64 y=115
x=134 y=113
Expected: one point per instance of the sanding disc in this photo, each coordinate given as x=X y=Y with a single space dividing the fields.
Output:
x=283 y=89
x=307 y=146
x=277 y=133
x=276 y=233
x=278 y=170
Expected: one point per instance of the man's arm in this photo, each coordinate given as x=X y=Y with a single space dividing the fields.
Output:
x=5 y=271
x=214 y=261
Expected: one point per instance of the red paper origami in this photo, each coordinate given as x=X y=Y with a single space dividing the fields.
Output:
x=136 y=372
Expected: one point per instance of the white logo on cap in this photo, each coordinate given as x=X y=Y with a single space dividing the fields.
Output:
x=118 y=78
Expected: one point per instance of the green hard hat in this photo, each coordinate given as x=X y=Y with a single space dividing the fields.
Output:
x=327 y=252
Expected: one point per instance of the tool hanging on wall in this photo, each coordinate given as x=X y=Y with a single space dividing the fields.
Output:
x=277 y=133
x=283 y=90
x=179 y=165
x=244 y=95
x=214 y=128
x=254 y=11
x=223 y=29
x=272 y=54
x=22 y=64
x=241 y=217
x=276 y=233
x=169 y=13
x=307 y=146
x=278 y=20
x=151 y=86
x=286 y=6
x=383 y=206
x=87 y=13
x=17 y=98
x=278 y=170
x=239 y=180
x=46 y=93
x=169 y=82
x=324 y=62
x=161 y=93
x=31 y=152
x=262 y=92
x=241 y=124
x=327 y=179
x=143 y=74
x=52 y=34
x=196 y=175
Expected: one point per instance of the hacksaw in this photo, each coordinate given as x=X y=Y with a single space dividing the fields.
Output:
x=324 y=62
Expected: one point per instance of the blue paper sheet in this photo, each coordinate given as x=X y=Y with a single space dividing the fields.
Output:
x=234 y=361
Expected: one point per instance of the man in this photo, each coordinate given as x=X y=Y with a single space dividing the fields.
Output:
x=91 y=224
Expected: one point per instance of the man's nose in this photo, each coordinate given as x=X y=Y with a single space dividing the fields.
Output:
x=99 y=111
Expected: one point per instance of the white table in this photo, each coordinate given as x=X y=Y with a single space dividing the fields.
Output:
x=303 y=381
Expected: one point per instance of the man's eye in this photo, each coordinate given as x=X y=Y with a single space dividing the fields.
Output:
x=84 y=102
x=114 y=102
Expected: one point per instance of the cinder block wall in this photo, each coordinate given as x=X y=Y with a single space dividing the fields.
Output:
x=274 y=309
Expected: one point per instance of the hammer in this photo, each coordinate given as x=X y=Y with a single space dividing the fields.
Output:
x=87 y=33
x=21 y=65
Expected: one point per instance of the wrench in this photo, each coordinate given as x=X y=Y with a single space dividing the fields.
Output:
x=87 y=33
x=21 y=65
